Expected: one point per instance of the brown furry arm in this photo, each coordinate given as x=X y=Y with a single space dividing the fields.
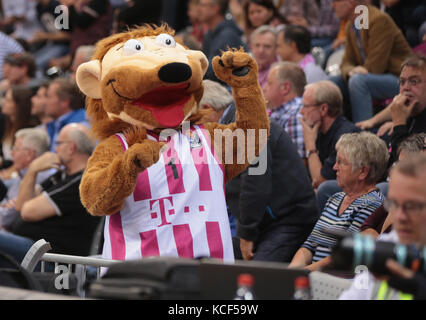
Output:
x=239 y=70
x=111 y=174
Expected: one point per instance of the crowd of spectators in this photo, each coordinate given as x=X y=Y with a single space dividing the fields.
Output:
x=346 y=102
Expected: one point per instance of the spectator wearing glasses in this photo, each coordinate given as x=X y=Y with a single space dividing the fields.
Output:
x=407 y=111
x=323 y=124
x=29 y=144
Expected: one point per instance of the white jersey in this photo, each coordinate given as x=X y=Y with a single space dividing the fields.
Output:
x=178 y=206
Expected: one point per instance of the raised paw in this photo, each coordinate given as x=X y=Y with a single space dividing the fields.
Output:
x=236 y=68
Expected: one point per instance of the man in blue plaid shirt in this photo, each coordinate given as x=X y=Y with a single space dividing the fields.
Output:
x=283 y=92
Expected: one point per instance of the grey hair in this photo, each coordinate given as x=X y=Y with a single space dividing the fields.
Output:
x=327 y=92
x=34 y=138
x=291 y=72
x=216 y=95
x=365 y=149
x=83 y=143
x=414 y=143
x=262 y=30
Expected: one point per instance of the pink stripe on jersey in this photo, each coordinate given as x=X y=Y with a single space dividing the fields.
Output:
x=142 y=189
x=173 y=169
x=116 y=235
x=206 y=135
x=121 y=141
x=214 y=239
x=183 y=240
x=149 y=243
x=199 y=156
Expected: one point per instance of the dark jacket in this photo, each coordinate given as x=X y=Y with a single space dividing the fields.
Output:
x=282 y=195
x=226 y=34
x=414 y=125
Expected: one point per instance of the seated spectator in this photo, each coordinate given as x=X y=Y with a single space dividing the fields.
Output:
x=294 y=45
x=283 y=92
x=380 y=222
x=38 y=105
x=412 y=95
x=65 y=104
x=263 y=47
x=323 y=124
x=18 y=69
x=258 y=13
x=361 y=161
x=29 y=144
x=55 y=212
x=17 y=110
x=372 y=59
x=221 y=34
x=406 y=202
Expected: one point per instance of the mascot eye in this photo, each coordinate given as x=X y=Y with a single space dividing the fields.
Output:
x=165 y=40
x=132 y=46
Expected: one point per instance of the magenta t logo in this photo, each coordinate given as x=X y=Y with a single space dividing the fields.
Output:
x=161 y=201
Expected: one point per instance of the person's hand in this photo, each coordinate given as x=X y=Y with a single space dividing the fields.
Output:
x=310 y=134
x=401 y=108
x=358 y=70
x=366 y=124
x=47 y=160
x=246 y=247
x=399 y=270
x=387 y=127
x=338 y=43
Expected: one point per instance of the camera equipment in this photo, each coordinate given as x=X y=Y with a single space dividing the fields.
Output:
x=358 y=249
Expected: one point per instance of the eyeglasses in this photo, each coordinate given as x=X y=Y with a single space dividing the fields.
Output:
x=58 y=142
x=410 y=207
x=412 y=81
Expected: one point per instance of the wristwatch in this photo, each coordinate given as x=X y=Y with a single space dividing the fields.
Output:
x=312 y=151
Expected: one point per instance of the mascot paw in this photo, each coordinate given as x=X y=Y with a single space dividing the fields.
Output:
x=144 y=154
x=236 y=68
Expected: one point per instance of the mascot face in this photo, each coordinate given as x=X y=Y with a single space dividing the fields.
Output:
x=149 y=81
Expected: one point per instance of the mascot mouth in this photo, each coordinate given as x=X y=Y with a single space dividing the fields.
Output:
x=166 y=103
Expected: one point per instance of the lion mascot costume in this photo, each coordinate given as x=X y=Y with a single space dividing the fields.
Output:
x=158 y=172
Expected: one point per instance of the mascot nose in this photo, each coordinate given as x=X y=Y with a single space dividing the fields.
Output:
x=175 y=72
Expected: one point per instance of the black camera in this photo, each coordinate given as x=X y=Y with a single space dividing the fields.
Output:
x=357 y=249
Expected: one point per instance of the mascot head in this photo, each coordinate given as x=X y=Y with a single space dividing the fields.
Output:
x=141 y=78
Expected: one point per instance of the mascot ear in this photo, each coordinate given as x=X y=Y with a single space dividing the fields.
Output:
x=88 y=78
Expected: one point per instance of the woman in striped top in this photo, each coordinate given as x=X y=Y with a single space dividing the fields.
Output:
x=361 y=162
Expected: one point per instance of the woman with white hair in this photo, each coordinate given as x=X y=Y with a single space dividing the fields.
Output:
x=360 y=163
